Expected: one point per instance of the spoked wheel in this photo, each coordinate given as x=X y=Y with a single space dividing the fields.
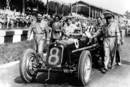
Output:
x=85 y=67
x=28 y=65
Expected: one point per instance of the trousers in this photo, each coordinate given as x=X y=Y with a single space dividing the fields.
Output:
x=109 y=47
x=40 y=43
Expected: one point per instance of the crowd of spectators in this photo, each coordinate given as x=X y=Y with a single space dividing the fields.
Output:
x=11 y=20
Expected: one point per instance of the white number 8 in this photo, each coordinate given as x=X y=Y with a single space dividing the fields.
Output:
x=54 y=61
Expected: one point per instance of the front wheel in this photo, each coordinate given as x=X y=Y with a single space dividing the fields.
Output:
x=85 y=67
x=28 y=65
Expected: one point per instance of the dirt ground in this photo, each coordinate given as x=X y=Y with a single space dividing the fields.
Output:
x=13 y=51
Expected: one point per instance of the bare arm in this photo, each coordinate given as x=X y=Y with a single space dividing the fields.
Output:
x=97 y=33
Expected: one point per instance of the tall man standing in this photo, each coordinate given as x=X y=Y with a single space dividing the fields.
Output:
x=111 y=42
x=111 y=38
x=39 y=30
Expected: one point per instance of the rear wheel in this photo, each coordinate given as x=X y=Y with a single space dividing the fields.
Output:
x=85 y=67
x=28 y=65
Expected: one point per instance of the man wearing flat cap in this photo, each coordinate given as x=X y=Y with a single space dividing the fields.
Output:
x=111 y=40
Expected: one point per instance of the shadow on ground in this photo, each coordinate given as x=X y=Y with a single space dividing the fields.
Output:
x=55 y=79
x=126 y=62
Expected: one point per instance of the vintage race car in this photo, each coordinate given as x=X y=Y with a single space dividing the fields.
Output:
x=74 y=55
x=67 y=56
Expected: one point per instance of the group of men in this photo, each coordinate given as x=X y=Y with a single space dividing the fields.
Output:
x=110 y=30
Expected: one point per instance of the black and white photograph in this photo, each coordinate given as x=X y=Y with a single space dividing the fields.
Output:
x=64 y=43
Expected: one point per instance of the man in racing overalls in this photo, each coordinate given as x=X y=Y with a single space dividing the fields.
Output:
x=40 y=35
x=111 y=39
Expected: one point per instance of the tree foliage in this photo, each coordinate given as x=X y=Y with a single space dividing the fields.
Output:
x=57 y=8
x=127 y=14
x=53 y=6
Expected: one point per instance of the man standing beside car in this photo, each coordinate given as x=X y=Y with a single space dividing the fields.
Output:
x=39 y=34
x=111 y=42
x=111 y=39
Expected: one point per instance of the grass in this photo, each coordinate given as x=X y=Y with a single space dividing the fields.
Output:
x=13 y=51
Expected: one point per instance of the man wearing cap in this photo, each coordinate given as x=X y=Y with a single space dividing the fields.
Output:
x=112 y=38
x=111 y=41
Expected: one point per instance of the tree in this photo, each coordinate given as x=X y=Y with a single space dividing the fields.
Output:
x=127 y=14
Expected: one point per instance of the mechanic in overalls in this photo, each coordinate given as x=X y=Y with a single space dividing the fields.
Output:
x=38 y=29
x=111 y=39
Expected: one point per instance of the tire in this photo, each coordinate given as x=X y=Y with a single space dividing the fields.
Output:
x=85 y=67
x=28 y=59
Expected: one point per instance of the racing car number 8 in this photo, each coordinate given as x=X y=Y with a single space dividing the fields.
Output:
x=53 y=58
